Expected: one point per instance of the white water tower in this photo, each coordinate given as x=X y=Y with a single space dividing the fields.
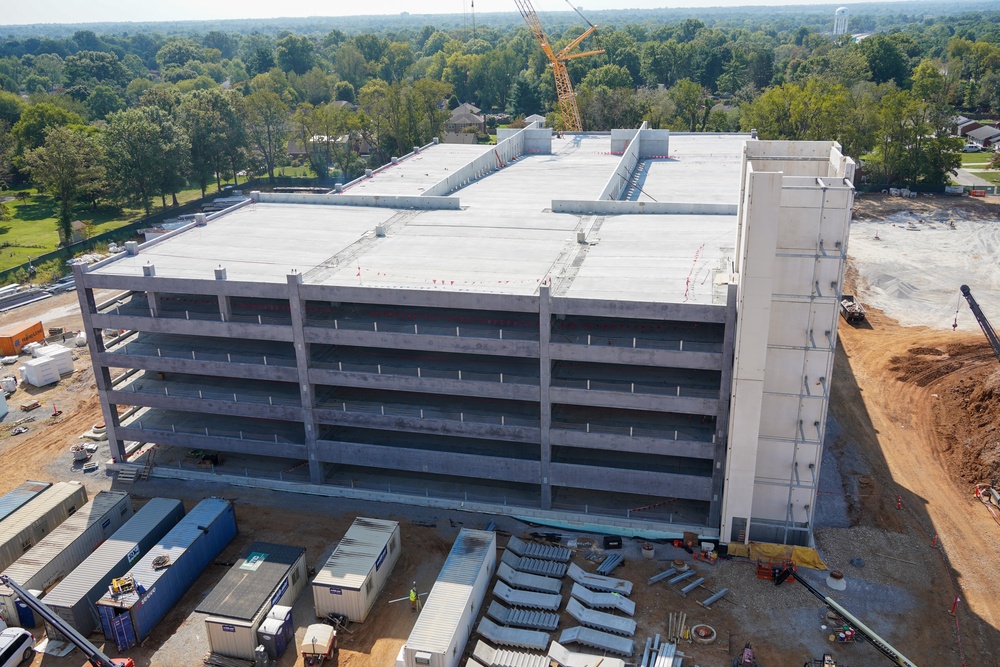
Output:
x=840 y=20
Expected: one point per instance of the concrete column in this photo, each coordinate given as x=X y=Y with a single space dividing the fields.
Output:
x=759 y=211
x=225 y=307
x=544 y=380
x=102 y=376
x=722 y=417
x=297 y=310
x=154 y=303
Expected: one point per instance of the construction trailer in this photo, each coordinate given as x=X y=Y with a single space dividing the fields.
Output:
x=27 y=526
x=166 y=572
x=357 y=570
x=439 y=637
x=18 y=497
x=63 y=550
x=267 y=575
x=75 y=597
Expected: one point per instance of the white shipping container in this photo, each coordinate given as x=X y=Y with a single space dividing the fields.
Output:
x=357 y=570
x=439 y=637
x=266 y=576
x=66 y=547
x=61 y=356
x=27 y=526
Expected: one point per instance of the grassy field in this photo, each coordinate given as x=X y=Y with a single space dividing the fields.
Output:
x=977 y=158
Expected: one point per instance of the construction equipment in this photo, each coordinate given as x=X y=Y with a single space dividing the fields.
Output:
x=984 y=324
x=91 y=652
x=989 y=495
x=122 y=585
x=746 y=658
x=564 y=87
x=851 y=309
x=826 y=661
x=319 y=644
x=862 y=629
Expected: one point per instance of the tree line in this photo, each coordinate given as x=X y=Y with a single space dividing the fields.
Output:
x=135 y=118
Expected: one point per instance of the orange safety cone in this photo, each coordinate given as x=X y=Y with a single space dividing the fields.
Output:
x=899 y=502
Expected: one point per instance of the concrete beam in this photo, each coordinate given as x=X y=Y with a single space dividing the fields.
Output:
x=183 y=327
x=657 y=484
x=637 y=401
x=190 y=366
x=215 y=443
x=639 y=444
x=384 y=296
x=610 y=354
x=307 y=396
x=206 y=406
x=465 y=345
x=435 y=426
x=647 y=310
x=425 y=461
x=545 y=389
x=426 y=385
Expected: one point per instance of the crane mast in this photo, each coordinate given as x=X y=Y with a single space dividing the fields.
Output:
x=564 y=87
x=984 y=324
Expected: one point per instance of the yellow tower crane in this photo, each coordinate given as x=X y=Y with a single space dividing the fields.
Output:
x=564 y=87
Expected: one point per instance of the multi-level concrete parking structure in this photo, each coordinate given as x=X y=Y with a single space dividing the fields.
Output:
x=632 y=330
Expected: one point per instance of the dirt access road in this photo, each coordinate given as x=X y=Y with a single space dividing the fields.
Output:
x=907 y=398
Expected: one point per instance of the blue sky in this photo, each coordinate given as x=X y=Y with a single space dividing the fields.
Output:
x=77 y=11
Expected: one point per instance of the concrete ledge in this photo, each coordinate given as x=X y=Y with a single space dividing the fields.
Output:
x=425 y=202
x=615 y=207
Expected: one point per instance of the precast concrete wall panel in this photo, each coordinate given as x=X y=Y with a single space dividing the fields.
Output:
x=783 y=414
x=789 y=323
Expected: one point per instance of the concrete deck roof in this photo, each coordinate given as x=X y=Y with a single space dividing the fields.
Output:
x=505 y=239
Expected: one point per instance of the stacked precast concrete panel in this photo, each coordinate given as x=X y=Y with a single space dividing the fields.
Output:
x=74 y=598
x=190 y=546
x=267 y=575
x=66 y=547
x=27 y=526
x=439 y=637
x=357 y=570
x=17 y=498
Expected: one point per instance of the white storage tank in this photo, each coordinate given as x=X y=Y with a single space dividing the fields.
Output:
x=27 y=526
x=267 y=575
x=65 y=547
x=439 y=637
x=357 y=570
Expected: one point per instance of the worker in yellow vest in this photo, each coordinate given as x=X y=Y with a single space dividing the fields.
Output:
x=413 y=597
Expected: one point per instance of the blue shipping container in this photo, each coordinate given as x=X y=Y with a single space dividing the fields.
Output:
x=191 y=545
x=19 y=497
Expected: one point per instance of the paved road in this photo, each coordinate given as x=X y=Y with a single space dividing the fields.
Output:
x=966 y=177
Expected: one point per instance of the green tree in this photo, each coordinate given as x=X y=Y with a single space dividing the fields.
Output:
x=295 y=54
x=11 y=108
x=609 y=76
x=204 y=115
x=6 y=154
x=267 y=125
x=67 y=166
x=132 y=156
x=95 y=67
x=344 y=92
x=178 y=53
x=885 y=61
x=102 y=101
x=257 y=54
x=692 y=102
x=173 y=147
x=29 y=131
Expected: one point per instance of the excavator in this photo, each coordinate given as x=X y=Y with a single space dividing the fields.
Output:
x=94 y=655
x=988 y=494
x=984 y=324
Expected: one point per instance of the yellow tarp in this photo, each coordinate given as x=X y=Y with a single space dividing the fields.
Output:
x=803 y=556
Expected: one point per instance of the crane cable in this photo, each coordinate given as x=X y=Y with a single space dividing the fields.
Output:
x=958 y=307
x=580 y=13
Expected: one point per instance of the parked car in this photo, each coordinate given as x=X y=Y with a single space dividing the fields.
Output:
x=972 y=148
x=16 y=646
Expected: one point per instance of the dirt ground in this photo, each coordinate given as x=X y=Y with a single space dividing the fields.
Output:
x=913 y=414
x=874 y=205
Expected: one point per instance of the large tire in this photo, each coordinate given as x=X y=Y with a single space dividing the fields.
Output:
x=28 y=654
